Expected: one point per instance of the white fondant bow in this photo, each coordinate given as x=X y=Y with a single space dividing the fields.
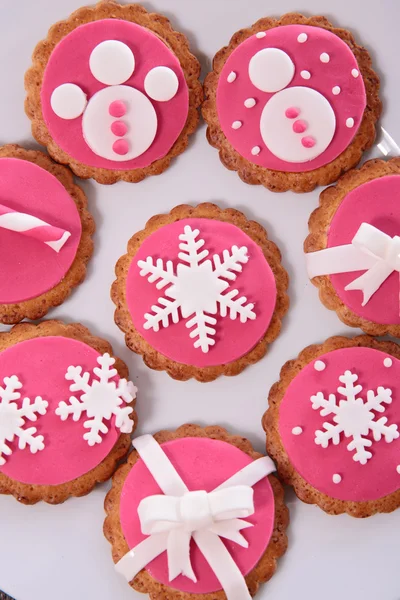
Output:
x=371 y=250
x=172 y=519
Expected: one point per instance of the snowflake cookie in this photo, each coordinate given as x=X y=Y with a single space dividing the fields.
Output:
x=333 y=425
x=201 y=292
x=117 y=93
x=75 y=453
x=287 y=98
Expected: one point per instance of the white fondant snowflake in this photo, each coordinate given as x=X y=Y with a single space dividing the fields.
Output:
x=354 y=417
x=12 y=419
x=196 y=288
x=100 y=400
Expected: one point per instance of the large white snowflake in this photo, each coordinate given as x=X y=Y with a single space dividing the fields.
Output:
x=100 y=400
x=195 y=289
x=12 y=419
x=354 y=417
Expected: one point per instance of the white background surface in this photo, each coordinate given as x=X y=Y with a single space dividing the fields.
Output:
x=59 y=552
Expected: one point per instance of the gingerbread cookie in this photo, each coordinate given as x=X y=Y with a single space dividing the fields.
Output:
x=203 y=484
x=45 y=234
x=333 y=425
x=200 y=293
x=291 y=103
x=54 y=443
x=353 y=248
x=113 y=92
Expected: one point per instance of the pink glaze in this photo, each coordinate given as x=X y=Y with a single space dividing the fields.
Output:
x=292 y=112
x=233 y=338
x=299 y=126
x=117 y=108
x=308 y=141
x=28 y=267
x=121 y=147
x=378 y=203
x=317 y=465
x=350 y=102
x=119 y=128
x=203 y=464
x=69 y=63
x=41 y=364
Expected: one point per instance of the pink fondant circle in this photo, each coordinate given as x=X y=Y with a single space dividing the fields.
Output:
x=69 y=63
x=40 y=365
x=28 y=267
x=119 y=128
x=378 y=203
x=233 y=338
x=350 y=103
x=317 y=465
x=203 y=464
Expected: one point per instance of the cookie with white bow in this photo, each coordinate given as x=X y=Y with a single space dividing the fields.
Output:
x=113 y=92
x=291 y=103
x=353 y=249
x=196 y=512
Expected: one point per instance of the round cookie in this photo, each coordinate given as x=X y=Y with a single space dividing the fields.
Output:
x=205 y=460
x=333 y=425
x=66 y=411
x=291 y=103
x=113 y=92
x=45 y=234
x=200 y=293
x=352 y=251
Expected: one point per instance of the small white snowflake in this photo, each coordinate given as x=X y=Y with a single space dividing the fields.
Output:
x=100 y=400
x=12 y=419
x=354 y=417
x=195 y=289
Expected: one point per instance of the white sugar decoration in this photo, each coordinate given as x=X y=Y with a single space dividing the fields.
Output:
x=305 y=74
x=303 y=37
x=355 y=73
x=350 y=122
x=319 y=365
x=297 y=430
x=237 y=124
x=260 y=34
x=195 y=289
x=100 y=400
x=249 y=102
x=12 y=419
x=354 y=418
x=231 y=77
x=336 y=90
x=336 y=478
x=324 y=57
x=398 y=469
x=387 y=362
x=255 y=150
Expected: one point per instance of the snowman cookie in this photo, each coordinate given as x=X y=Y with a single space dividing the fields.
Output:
x=200 y=293
x=353 y=249
x=66 y=411
x=196 y=512
x=333 y=425
x=45 y=234
x=291 y=103
x=113 y=92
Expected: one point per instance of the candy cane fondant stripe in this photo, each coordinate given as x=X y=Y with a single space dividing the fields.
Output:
x=55 y=237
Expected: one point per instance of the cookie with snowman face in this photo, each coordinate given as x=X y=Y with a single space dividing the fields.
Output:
x=113 y=92
x=291 y=103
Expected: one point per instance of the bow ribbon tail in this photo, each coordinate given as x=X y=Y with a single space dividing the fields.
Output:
x=178 y=553
x=141 y=555
x=221 y=562
x=370 y=281
x=230 y=530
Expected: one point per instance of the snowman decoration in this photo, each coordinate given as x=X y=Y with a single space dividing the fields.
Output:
x=119 y=122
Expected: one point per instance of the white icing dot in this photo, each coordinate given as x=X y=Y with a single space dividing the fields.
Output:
x=355 y=73
x=350 y=122
x=271 y=70
x=305 y=74
x=237 y=124
x=398 y=469
x=319 y=365
x=336 y=90
x=387 y=362
x=161 y=84
x=325 y=58
x=68 y=101
x=256 y=150
x=336 y=478
x=231 y=77
x=297 y=430
x=249 y=103
x=303 y=37
x=112 y=62
x=260 y=34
